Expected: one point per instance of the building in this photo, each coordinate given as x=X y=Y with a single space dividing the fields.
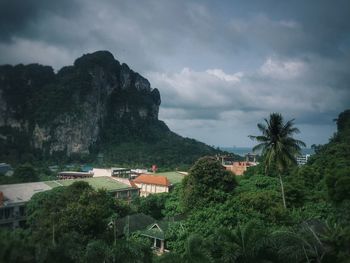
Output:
x=238 y=168
x=118 y=172
x=119 y=188
x=13 y=198
x=225 y=159
x=137 y=172
x=101 y=172
x=301 y=160
x=127 y=193
x=151 y=184
x=121 y=172
x=74 y=175
x=157 y=232
x=250 y=157
x=146 y=226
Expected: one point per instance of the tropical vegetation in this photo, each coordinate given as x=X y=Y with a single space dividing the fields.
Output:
x=278 y=146
x=239 y=219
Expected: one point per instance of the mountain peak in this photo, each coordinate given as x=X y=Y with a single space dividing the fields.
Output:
x=94 y=105
x=101 y=58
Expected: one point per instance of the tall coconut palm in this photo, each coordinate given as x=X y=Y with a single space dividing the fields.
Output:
x=277 y=144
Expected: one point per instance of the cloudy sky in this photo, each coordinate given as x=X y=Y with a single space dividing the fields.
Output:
x=220 y=66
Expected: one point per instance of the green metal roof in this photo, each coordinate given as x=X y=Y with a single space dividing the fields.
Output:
x=154 y=232
x=96 y=182
x=157 y=230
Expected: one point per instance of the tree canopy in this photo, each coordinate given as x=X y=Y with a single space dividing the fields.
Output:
x=207 y=181
x=278 y=146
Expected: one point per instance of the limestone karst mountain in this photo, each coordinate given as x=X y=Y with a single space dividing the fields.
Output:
x=95 y=106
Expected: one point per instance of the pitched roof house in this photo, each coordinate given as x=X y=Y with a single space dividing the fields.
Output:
x=151 y=184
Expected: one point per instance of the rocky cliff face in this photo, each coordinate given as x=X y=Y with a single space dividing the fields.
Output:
x=81 y=106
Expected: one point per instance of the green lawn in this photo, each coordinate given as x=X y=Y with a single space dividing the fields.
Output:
x=96 y=182
x=174 y=177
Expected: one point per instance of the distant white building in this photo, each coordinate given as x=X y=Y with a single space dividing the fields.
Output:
x=101 y=172
x=119 y=172
x=301 y=160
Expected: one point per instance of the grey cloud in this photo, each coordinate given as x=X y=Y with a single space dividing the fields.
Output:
x=284 y=87
x=19 y=18
x=156 y=34
x=308 y=44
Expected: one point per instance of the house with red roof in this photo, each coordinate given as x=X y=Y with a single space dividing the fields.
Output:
x=152 y=184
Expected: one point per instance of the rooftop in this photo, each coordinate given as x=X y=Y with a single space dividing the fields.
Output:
x=152 y=179
x=173 y=177
x=120 y=169
x=74 y=173
x=103 y=182
x=156 y=230
x=18 y=193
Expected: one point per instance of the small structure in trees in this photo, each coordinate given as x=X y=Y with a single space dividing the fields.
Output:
x=156 y=232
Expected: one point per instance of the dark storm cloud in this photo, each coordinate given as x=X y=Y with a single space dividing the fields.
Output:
x=304 y=26
x=20 y=18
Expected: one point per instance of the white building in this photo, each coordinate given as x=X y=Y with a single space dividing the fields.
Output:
x=151 y=184
x=301 y=160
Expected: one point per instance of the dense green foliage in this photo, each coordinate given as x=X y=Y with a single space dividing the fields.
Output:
x=72 y=224
x=251 y=225
x=237 y=221
x=207 y=181
x=165 y=149
x=279 y=148
x=152 y=205
x=28 y=173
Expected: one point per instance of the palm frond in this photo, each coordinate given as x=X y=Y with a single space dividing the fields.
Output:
x=276 y=141
x=259 y=147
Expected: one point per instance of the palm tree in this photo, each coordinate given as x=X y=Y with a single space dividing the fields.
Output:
x=278 y=146
x=244 y=244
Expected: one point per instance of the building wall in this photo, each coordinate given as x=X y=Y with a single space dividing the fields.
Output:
x=146 y=189
x=127 y=194
x=238 y=168
x=301 y=160
x=12 y=216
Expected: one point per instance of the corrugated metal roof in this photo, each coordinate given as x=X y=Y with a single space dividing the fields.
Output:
x=152 y=179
